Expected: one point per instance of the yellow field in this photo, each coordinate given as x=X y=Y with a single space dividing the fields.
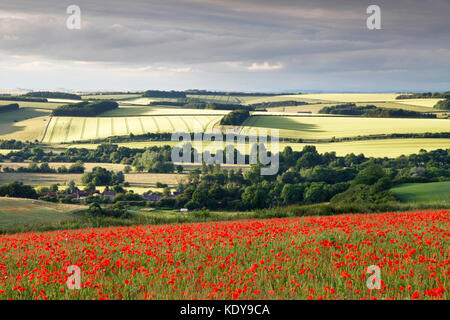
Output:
x=370 y=148
x=55 y=165
x=340 y=127
x=352 y=97
x=125 y=111
x=23 y=124
x=36 y=105
x=138 y=180
x=67 y=129
x=429 y=103
x=110 y=96
x=315 y=107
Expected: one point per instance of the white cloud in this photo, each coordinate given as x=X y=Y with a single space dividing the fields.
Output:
x=265 y=66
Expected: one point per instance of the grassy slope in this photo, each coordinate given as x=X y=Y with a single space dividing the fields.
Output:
x=24 y=124
x=15 y=211
x=423 y=192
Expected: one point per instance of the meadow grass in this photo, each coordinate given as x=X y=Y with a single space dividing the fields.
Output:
x=14 y=211
x=423 y=192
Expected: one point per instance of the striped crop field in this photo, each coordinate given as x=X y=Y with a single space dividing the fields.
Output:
x=67 y=129
x=328 y=127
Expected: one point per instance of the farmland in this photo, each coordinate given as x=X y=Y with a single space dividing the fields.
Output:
x=24 y=124
x=141 y=180
x=339 y=127
x=371 y=148
x=66 y=129
x=312 y=258
x=423 y=192
x=23 y=211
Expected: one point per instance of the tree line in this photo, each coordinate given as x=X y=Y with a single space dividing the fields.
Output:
x=373 y=111
x=85 y=108
x=53 y=95
x=9 y=107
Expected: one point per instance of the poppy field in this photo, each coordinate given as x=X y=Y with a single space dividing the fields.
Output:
x=291 y=258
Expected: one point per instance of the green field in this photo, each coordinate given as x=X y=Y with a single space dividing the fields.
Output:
x=67 y=129
x=327 y=127
x=15 y=211
x=423 y=192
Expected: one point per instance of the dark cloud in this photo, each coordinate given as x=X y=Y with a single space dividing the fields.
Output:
x=220 y=41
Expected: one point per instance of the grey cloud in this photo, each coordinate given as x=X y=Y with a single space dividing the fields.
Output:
x=322 y=36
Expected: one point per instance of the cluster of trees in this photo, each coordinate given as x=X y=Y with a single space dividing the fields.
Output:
x=157 y=161
x=307 y=177
x=425 y=95
x=9 y=107
x=18 y=190
x=217 y=106
x=14 y=144
x=53 y=95
x=44 y=167
x=164 y=94
x=235 y=118
x=373 y=111
x=102 y=177
x=22 y=98
x=274 y=104
x=117 y=210
x=85 y=108
x=443 y=105
x=155 y=158
x=232 y=93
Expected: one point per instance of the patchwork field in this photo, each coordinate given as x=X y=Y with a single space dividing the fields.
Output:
x=24 y=211
x=54 y=165
x=24 y=124
x=66 y=129
x=141 y=180
x=372 y=148
x=110 y=96
x=35 y=105
x=339 y=127
x=315 y=107
x=429 y=103
x=423 y=192
x=124 y=111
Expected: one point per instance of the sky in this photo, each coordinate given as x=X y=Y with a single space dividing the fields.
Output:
x=240 y=45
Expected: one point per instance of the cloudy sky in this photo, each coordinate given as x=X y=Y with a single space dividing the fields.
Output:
x=249 y=45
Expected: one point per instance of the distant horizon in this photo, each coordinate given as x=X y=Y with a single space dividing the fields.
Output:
x=5 y=90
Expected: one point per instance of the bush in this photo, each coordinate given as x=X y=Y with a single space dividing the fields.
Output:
x=235 y=118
